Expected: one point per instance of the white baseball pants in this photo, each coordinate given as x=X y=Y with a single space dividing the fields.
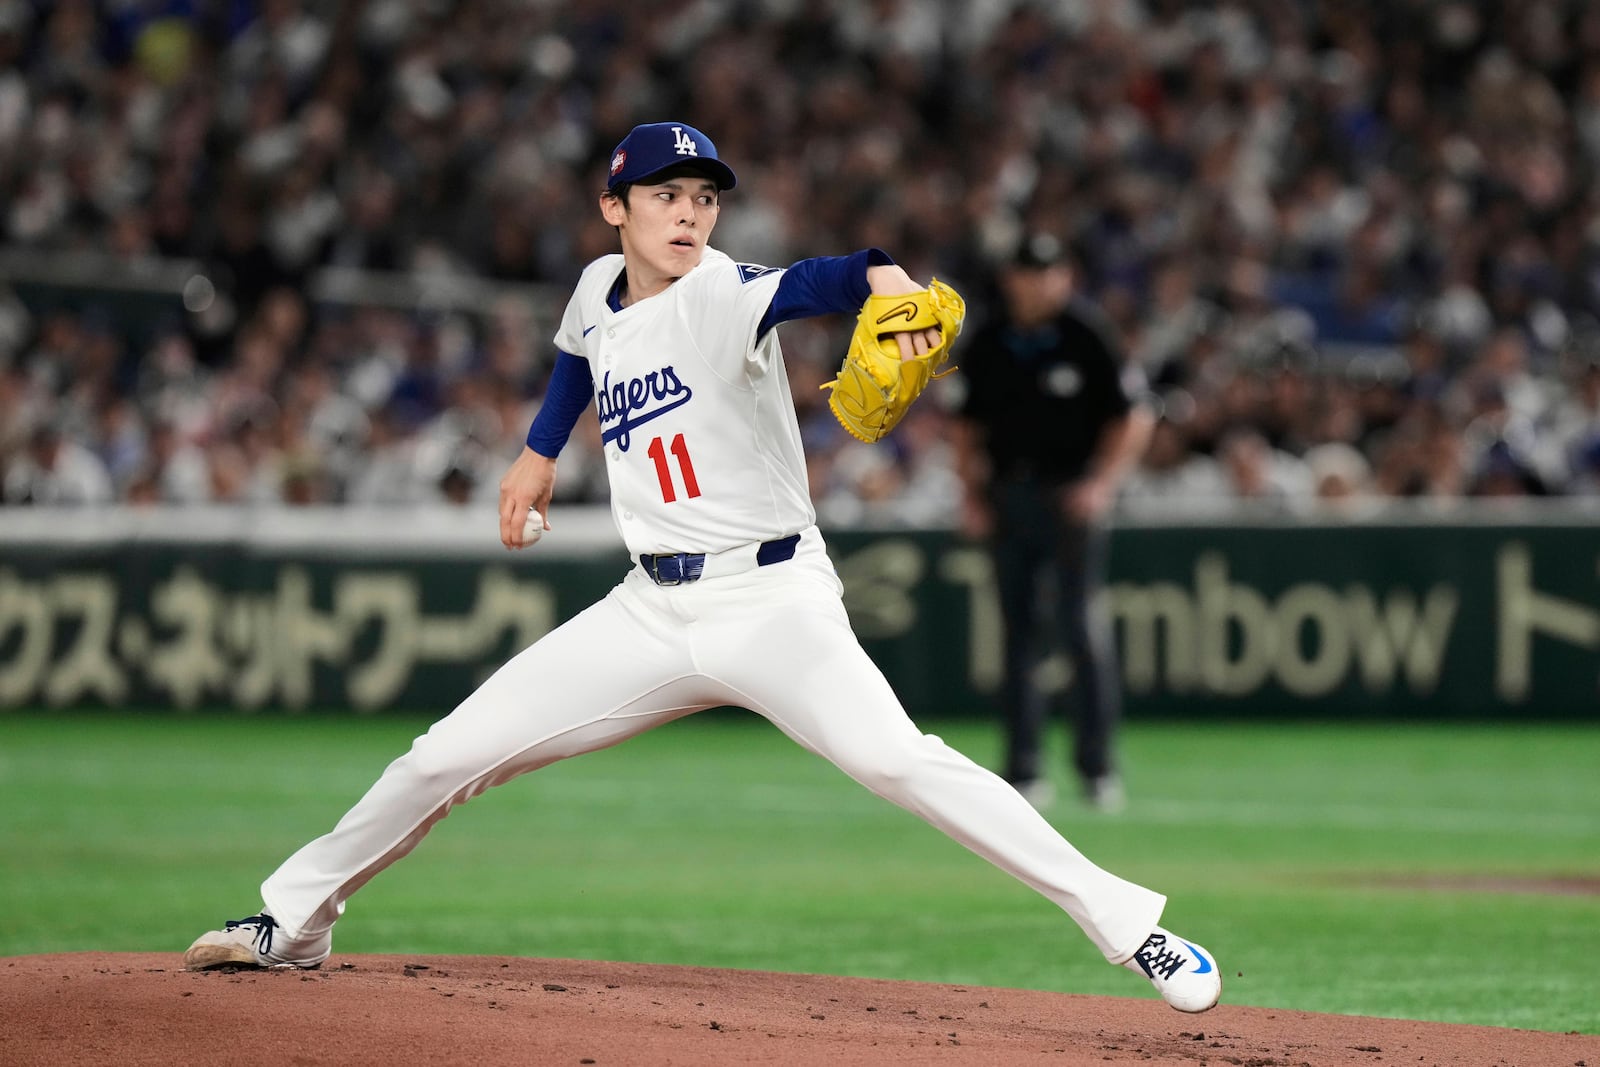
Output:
x=773 y=639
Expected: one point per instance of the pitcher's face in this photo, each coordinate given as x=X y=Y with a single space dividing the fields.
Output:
x=664 y=228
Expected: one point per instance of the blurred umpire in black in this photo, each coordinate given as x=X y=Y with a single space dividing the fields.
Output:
x=1052 y=420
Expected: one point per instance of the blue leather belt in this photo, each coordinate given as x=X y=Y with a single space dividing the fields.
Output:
x=679 y=568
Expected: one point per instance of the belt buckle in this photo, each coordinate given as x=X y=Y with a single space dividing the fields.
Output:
x=685 y=567
x=655 y=571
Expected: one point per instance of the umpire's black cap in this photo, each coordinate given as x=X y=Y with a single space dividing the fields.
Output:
x=1036 y=251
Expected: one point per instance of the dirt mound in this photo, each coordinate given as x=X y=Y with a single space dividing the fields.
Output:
x=131 y=1009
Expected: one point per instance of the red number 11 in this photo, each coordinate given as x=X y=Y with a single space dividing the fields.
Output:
x=658 y=453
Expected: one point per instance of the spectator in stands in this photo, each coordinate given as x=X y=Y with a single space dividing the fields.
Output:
x=176 y=470
x=1341 y=480
x=56 y=470
x=1171 y=478
x=1260 y=476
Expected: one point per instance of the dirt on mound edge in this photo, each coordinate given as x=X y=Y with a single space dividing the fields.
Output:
x=142 y=1008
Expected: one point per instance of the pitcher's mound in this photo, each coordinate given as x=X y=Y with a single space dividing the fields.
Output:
x=130 y=1009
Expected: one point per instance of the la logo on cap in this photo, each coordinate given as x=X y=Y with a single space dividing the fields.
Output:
x=617 y=162
x=683 y=143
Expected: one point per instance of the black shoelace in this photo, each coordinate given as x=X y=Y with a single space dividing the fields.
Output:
x=264 y=925
x=1156 y=958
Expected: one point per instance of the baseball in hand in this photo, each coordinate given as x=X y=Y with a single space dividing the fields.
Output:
x=533 y=528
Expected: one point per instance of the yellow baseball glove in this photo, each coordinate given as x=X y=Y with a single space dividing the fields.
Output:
x=875 y=386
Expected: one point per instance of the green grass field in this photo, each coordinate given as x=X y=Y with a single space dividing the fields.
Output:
x=1447 y=873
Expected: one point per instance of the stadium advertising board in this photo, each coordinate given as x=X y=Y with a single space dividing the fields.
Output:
x=1300 y=621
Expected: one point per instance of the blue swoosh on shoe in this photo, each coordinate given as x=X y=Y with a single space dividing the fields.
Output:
x=1205 y=961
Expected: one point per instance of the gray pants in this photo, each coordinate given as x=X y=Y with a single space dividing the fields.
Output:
x=1049 y=570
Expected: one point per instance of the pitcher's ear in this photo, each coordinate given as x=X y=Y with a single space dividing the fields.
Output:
x=614 y=203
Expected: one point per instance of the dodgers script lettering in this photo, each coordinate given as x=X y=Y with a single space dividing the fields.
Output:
x=626 y=404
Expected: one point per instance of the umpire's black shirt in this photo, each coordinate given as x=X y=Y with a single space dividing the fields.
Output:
x=1044 y=395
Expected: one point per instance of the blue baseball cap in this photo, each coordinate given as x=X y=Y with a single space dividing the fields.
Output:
x=656 y=146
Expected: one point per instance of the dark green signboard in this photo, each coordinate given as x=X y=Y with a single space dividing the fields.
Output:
x=1406 y=621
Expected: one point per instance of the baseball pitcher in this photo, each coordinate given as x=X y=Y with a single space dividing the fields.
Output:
x=731 y=599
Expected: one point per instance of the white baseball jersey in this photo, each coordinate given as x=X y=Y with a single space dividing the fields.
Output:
x=695 y=412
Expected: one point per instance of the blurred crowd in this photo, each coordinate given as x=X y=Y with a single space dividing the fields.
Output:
x=1353 y=245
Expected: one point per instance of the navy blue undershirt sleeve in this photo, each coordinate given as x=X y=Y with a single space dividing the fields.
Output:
x=568 y=397
x=822 y=286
